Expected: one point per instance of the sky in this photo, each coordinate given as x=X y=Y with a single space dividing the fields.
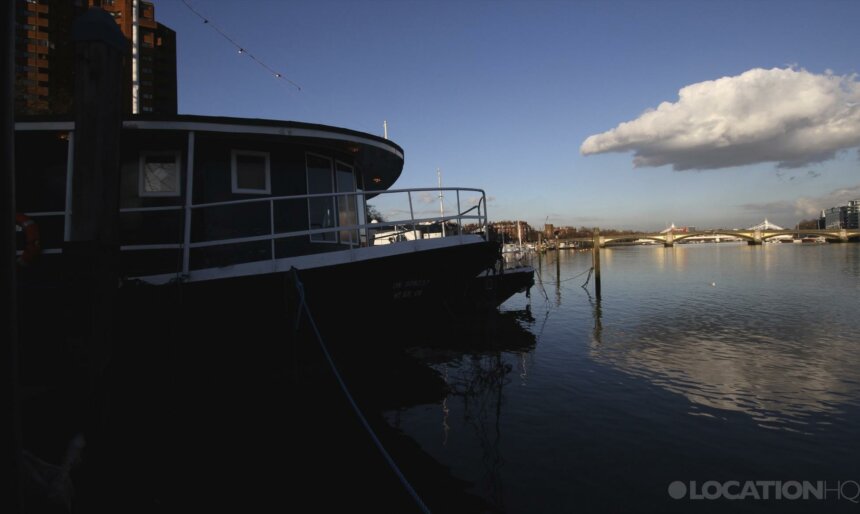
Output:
x=613 y=114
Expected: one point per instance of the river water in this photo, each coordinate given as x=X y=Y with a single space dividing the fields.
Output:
x=709 y=363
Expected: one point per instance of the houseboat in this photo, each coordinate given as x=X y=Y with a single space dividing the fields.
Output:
x=239 y=210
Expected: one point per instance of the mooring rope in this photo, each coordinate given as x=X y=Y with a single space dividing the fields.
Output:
x=540 y=282
x=587 y=278
x=589 y=270
x=304 y=306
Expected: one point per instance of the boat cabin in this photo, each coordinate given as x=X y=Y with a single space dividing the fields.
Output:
x=200 y=193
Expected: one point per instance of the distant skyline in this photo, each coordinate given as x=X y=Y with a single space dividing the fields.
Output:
x=617 y=114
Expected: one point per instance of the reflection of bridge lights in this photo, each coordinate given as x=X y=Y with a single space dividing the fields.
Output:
x=445 y=426
x=524 y=371
x=445 y=411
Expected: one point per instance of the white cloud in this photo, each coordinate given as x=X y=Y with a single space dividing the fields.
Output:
x=812 y=206
x=805 y=207
x=475 y=200
x=427 y=197
x=789 y=116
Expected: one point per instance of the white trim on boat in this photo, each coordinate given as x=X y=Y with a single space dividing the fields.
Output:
x=220 y=127
x=316 y=260
x=256 y=129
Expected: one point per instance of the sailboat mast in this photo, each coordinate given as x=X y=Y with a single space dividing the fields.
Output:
x=519 y=234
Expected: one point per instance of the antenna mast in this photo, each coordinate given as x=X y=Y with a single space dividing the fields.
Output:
x=441 y=202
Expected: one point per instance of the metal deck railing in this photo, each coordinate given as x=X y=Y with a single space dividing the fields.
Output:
x=350 y=206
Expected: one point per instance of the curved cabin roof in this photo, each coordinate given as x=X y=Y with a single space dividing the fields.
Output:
x=378 y=159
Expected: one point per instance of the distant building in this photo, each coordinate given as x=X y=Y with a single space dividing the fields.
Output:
x=677 y=230
x=511 y=231
x=843 y=216
x=852 y=216
x=152 y=69
x=44 y=56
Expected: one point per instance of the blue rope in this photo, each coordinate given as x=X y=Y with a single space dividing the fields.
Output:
x=303 y=305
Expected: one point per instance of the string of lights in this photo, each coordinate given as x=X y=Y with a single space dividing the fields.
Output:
x=242 y=50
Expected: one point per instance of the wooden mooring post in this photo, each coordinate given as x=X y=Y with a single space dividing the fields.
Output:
x=538 y=252
x=9 y=332
x=557 y=263
x=92 y=254
x=596 y=261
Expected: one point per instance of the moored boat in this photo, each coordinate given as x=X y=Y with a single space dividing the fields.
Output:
x=233 y=209
x=813 y=240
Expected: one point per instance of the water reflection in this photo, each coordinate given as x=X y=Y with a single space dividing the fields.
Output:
x=778 y=388
x=480 y=383
x=850 y=264
x=597 y=314
x=750 y=350
x=524 y=364
x=477 y=362
x=692 y=358
x=667 y=258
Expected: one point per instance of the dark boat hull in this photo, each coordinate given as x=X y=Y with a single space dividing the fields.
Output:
x=493 y=288
x=406 y=286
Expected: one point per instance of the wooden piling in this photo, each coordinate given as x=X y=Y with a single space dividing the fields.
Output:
x=557 y=263
x=91 y=256
x=8 y=284
x=538 y=254
x=596 y=264
x=99 y=51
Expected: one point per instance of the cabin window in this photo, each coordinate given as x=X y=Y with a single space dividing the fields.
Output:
x=251 y=172
x=347 y=210
x=321 y=210
x=159 y=174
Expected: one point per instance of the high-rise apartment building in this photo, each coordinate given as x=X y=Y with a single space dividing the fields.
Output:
x=842 y=216
x=44 y=56
x=152 y=70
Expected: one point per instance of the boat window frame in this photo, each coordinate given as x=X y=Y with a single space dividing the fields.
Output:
x=234 y=172
x=331 y=176
x=177 y=160
x=354 y=198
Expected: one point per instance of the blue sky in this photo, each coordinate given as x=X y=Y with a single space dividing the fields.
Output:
x=502 y=95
